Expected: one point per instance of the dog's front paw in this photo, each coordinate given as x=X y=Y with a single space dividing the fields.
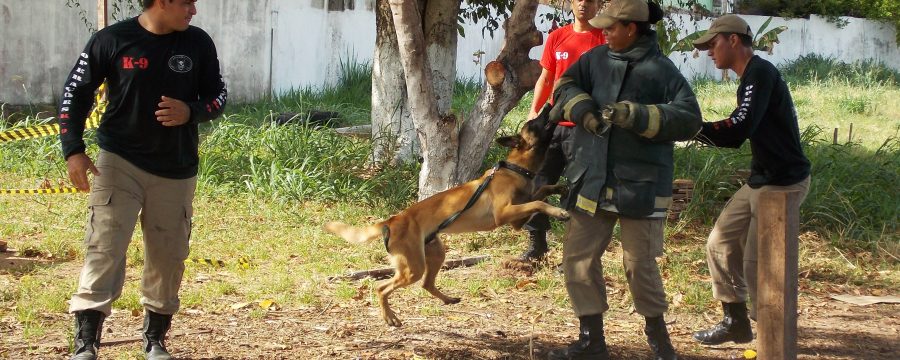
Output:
x=563 y=215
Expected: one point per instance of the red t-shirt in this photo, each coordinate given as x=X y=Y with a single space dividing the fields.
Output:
x=564 y=46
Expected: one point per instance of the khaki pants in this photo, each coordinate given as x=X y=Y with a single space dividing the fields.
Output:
x=121 y=195
x=587 y=238
x=731 y=247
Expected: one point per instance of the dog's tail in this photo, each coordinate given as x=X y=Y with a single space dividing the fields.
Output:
x=354 y=234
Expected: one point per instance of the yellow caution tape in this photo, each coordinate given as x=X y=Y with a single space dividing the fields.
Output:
x=57 y=190
x=40 y=131
x=242 y=262
x=207 y=261
x=34 y=132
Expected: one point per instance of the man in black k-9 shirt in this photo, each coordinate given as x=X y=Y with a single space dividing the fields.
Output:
x=163 y=80
x=766 y=116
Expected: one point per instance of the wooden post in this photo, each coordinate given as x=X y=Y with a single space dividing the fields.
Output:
x=835 y=136
x=102 y=14
x=850 y=135
x=102 y=22
x=778 y=228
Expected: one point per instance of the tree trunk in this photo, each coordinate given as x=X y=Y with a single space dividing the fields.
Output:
x=393 y=133
x=426 y=45
x=440 y=20
x=437 y=132
x=510 y=76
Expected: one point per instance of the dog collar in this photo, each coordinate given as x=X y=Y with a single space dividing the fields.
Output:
x=516 y=168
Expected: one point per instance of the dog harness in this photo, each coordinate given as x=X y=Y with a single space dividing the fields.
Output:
x=528 y=174
x=500 y=165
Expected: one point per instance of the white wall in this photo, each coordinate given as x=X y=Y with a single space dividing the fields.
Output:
x=39 y=43
x=860 y=39
x=311 y=42
x=303 y=44
x=241 y=33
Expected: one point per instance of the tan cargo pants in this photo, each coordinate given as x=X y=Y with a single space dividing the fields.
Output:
x=587 y=238
x=121 y=195
x=731 y=247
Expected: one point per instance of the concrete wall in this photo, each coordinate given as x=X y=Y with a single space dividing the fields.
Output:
x=39 y=43
x=859 y=40
x=310 y=41
x=271 y=46
x=241 y=31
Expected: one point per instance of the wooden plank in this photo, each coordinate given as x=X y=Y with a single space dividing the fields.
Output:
x=357 y=131
x=777 y=231
x=683 y=184
x=387 y=272
x=102 y=14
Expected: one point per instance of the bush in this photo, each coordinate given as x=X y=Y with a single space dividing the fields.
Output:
x=810 y=68
x=247 y=151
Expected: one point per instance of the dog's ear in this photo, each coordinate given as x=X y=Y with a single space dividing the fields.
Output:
x=509 y=141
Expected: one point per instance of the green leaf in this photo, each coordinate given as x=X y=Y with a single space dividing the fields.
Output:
x=764 y=26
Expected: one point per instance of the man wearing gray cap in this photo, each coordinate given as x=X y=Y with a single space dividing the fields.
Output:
x=765 y=115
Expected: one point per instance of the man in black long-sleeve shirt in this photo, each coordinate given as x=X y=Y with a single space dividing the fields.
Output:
x=765 y=115
x=163 y=79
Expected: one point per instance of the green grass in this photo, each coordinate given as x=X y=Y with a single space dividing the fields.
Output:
x=810 y=69
x=265 y=190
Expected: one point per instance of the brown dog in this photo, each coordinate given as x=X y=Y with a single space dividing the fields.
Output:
x=411 y=236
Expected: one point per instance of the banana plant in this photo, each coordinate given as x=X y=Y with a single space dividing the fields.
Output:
x=766 y=41
x=669 y=41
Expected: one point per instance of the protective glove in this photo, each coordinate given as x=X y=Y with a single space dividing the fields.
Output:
x=591 y=120
x=556 y=112
x=595 y=124
x=622 y=114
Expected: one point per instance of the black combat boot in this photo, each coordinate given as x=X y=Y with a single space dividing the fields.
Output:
x=538 y=247
x=155 y=328
x=658 y=338
x=591 y=344
x=88 y=328
x=735 y=326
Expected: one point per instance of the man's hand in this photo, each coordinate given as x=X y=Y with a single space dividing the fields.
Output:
x=173 y=112
x=594 y=124
x=621 y=114
x=556 y=113
x=78 y=166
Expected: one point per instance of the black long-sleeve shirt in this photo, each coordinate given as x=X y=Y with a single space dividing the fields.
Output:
x=765 y=115
x=140 y=67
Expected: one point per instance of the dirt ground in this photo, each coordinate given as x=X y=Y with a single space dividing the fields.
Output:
x=491 y=326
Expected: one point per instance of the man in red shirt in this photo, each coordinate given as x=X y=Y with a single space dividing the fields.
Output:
x=563 y=48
